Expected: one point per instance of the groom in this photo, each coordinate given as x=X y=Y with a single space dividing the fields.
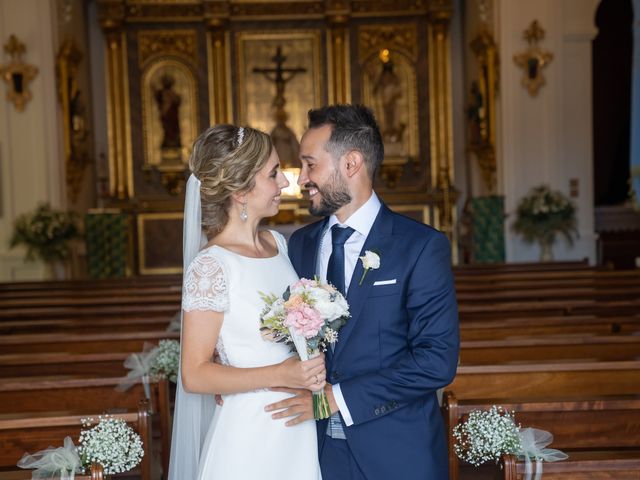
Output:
x=401 y=343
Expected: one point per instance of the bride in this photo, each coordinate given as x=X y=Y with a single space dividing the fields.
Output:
x=236 y=182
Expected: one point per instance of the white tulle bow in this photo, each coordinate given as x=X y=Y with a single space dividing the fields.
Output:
x=532 y=446
x=63 y=461
x=139 y=365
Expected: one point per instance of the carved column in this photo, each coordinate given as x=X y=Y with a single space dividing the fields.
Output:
x=339 y=74
x=440 y=114
x=120 y=170
x=218 y=62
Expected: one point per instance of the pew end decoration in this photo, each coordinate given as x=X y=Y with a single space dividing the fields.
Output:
x=489 y=435
x=151 y=365
x=166 y=360
x=543 y=214
x=63 y=462
x=111 y=443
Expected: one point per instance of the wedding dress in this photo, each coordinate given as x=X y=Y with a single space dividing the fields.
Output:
x=243 y=441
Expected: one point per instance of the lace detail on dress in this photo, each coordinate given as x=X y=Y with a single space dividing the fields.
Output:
x=222 y=353
x=205 y=285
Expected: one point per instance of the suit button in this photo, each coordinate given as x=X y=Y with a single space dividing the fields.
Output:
x=383 y=409
x=377 y=411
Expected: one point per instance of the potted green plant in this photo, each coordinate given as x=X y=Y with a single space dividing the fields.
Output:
x=542 y=215
x=46 y=234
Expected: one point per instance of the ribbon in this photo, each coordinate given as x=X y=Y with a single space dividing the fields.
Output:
x=63 y=461
x=532 y=446
x=139 y=365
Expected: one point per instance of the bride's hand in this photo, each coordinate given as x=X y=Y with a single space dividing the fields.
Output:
x=310 y=374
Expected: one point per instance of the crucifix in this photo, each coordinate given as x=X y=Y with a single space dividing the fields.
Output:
x=284 y=139
x=280 y=76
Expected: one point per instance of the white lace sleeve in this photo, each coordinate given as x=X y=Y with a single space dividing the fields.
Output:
x=205 y=285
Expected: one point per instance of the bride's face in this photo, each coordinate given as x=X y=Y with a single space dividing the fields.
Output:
x=264 y=199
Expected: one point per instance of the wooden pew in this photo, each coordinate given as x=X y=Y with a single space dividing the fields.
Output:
x=85 y=325
x=531 y=326
x=556 y=307
x=96 y=473
x=537 y=349
x=88 y=311
x=18 y=365
x=132 y=298
x=600 y=465
x=577 y=423
x=82 y=343
x=87 y=284
x=541 y=379
x=32 y=395
x=20 y=434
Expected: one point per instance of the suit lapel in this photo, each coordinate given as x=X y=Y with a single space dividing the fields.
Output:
x=380 y=239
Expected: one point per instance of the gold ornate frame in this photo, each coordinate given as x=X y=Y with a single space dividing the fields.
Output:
x=75 y=130
x=17 y=74
x=255 y=49
x=533 y=59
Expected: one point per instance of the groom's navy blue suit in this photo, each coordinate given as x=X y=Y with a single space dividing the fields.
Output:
x=400 y=345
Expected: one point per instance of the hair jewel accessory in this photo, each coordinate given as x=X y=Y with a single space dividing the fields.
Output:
x=240 y=135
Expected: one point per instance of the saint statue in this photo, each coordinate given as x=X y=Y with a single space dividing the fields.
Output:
x=169 y=105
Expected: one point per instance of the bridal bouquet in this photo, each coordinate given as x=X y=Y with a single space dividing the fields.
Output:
x=307 y=316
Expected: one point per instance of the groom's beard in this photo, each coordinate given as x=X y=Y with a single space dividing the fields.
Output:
x=333 y=195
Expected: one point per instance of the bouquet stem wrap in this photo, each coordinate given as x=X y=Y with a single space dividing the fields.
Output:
x=321 y=408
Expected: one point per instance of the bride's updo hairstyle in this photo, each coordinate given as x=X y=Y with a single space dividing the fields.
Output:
x=226 y=159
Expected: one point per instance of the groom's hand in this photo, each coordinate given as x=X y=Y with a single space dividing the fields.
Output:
x=300 y=406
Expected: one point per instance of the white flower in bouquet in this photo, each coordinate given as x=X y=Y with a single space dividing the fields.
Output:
x=111 y=443
x=486 y=435
x=166 y=360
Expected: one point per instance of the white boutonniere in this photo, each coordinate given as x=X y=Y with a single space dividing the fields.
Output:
x=370 y=261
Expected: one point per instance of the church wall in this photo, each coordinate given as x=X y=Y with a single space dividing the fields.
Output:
x=548 y=138
x=30 y=151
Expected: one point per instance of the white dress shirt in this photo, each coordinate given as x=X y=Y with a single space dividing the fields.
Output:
x=361 y=221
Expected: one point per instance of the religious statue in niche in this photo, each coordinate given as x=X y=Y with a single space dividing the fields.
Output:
x=169 y=120
x=168 y=102
x=284 y=139
x=388 y=91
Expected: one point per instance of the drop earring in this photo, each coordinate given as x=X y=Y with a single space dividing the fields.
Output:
x=243 y=214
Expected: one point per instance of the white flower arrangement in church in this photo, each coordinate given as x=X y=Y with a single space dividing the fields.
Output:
x=166 y=360
x=543 y=213
x=111 y=443
x=488 y=435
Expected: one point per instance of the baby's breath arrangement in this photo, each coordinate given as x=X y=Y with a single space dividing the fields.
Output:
x=166 y=360
x=111 y=443
x=486 y=435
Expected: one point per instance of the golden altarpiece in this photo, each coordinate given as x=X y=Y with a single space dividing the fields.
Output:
x=176 y=67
